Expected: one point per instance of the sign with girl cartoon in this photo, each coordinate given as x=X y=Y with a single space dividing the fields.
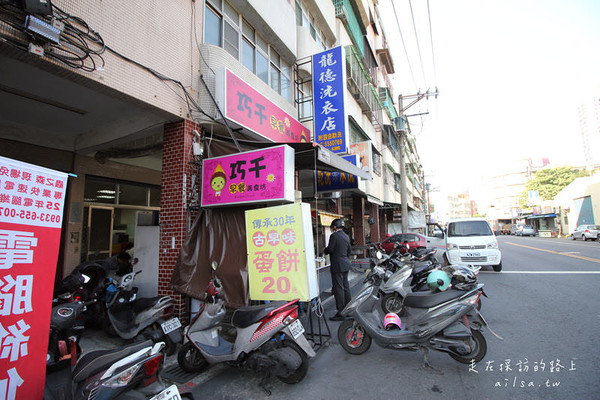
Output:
x=257 y=176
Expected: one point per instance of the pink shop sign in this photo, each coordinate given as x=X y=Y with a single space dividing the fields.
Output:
x=257 y=176
x=248 y=108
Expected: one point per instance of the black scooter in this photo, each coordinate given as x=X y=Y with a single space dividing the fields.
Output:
x=130 y=372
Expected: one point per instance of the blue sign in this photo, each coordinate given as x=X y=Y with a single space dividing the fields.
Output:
x=331 y=181
x=329 y=88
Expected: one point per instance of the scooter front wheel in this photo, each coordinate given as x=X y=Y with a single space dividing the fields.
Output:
x=353 y=337
x=479 y=349
x=190 y=359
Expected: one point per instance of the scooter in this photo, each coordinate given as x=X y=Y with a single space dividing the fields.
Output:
x=129 y=316
x=130 y=372
x=267 y=338
x=444 y=321
x=410 y=273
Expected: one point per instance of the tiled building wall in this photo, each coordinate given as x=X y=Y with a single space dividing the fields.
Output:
x=154 y=33
x=177 y=174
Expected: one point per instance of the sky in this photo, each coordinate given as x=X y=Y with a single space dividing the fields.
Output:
x=510 y=74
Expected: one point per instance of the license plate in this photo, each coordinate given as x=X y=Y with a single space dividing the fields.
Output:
x=170 y=325
x=296 y=328
x=473 y=254
x=170 y=393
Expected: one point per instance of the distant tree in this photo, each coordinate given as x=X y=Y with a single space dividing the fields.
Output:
x=548 y=182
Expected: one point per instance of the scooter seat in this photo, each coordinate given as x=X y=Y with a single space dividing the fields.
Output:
x=95 y=361
x=246 y=316
x=144 y=303
x=430 y=299
x=422 y=266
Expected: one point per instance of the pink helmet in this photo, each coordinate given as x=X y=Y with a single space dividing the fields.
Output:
x=392 y=321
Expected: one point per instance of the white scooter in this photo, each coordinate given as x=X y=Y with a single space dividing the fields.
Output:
x=130 y=316
x=267 y=338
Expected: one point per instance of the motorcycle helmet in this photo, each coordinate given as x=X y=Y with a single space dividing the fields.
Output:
x=392 y=322
x=438 y=280
x=337 y=223
x=463 y=278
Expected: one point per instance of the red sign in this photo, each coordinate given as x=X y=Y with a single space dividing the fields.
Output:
x=247 y=107
x=31 y=212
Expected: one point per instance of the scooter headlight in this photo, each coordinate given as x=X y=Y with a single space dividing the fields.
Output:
x=123 y=378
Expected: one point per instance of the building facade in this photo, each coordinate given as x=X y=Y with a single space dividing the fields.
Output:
x=124 y=100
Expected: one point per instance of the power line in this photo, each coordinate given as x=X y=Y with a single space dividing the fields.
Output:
x=412 y=15
x=432 y=48
x=404 y=45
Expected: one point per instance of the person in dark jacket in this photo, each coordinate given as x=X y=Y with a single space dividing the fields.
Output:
x=339 y=252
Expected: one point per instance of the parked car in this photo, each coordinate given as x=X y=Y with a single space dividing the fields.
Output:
x=514 y=229
x=526 y=230
x=586 y=232
x=414 y=241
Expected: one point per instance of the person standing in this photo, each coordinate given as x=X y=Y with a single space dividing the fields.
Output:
x=339 y=251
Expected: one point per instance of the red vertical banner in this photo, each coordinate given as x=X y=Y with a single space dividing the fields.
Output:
x=31 y=214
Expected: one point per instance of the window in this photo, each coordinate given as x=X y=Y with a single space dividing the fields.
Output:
x=275 y=72
x=231 y=37
x=248 y=49
x=376 y=163
x=469 y=228
x=108 y=191
x=286 y=80
x=262 y=59
x=225 y=27
x=212 y=27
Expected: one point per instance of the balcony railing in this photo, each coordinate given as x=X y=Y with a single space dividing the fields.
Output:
x=360 y=84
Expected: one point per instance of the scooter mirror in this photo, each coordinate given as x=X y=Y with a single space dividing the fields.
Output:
x=135 y=261
x=214 y=265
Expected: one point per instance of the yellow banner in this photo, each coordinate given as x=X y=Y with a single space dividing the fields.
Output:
x=277 y=266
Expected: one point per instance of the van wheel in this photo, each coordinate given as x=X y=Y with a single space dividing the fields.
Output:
x=498 y=267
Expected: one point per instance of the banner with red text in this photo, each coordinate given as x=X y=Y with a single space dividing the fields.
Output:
x=31 y=213
x=281 y=259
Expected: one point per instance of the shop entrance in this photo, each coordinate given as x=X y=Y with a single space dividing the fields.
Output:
x=99 y=233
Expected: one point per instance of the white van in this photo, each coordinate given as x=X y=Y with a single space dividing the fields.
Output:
x=470 y=241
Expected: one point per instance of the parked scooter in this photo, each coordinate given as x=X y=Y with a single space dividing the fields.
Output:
x=130 y=372
x=66 y=324
x=268 y=338
x=129 y=316
x=410 y=273
x=444 y=321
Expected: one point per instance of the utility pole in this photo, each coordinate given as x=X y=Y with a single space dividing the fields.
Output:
x=403 y=191
x=401 y=129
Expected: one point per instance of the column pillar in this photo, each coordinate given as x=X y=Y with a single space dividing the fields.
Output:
x=358 y=212
x=177 y=174
x=374 y=213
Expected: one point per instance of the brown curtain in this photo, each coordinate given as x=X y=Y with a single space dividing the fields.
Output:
x=216 y=235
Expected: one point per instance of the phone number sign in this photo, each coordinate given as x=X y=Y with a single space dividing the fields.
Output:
x=280 y=256
x=31 y=212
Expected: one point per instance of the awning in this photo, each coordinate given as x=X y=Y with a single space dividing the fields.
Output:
x=542 y=216
x=309 y=156
x=325 y=159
